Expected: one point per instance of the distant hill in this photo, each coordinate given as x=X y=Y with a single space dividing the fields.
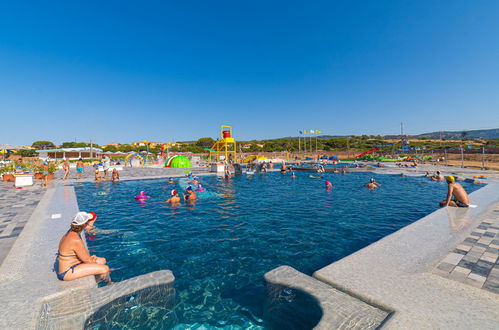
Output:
x=446 y=135
x=474 y=134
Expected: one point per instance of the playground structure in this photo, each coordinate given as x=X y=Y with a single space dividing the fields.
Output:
x=136 y=159
x=167 y=147
x=367 y=153
x=225 y=147
x=252 y=158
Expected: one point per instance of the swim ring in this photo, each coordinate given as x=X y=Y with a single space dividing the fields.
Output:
x=142 y=196
x=200 y=188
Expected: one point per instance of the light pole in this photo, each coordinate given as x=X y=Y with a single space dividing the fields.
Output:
x=483 y=157
x=462 y=157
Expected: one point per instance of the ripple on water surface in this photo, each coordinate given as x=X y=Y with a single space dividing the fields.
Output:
x=219 y=248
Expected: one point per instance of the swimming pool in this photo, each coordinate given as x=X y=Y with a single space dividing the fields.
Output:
x=220 y=248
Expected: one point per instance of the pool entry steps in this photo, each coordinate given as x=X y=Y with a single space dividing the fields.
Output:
x=71 y=310
x=339 y=310
x=80 y=308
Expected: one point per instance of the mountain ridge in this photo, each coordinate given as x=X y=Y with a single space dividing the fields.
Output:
x=492 y=133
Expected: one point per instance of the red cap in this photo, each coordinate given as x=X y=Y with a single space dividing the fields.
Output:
x=94 y=216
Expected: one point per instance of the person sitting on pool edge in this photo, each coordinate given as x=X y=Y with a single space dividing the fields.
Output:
x=73 y=259
x=191 y=194
x=461 y=198
x=372 y=184
x=174 y=199
x=437 y=177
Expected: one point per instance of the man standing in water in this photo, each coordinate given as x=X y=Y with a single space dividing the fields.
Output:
x=191 y=195
x=372 y=184
x=98 y=177
x=174 y=199
x=460 y=199
x=437 y=177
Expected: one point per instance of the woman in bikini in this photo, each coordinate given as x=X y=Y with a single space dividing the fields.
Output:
x=65 y=166
x=74 y=261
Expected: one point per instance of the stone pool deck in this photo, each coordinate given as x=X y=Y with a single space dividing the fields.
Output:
x=398 y=274
x=16 y=206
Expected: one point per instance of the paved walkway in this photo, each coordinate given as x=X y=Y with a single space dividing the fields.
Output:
x=16 y=206
x=475 y=261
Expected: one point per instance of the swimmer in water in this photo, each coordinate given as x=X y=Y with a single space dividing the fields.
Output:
x=170 y=180
x=293 y=175
x=329 y=185
x=372 y=184
x=98 y=177
x=195 y=181
x=115 y=176
x=437 y=177
x=90 y=227
x=190 y=194
x=174 y=199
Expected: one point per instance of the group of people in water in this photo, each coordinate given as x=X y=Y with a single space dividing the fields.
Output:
x=115 y=175
x=456 y=194
x=190 y=195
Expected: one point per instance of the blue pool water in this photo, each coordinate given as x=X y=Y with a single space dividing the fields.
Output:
x=219 y=248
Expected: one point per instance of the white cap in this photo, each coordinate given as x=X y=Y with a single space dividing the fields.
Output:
x=81 y=218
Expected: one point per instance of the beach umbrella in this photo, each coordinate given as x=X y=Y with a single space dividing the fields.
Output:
x=5 y=151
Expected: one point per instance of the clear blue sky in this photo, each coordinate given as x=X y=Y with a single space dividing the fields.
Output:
x=120 y=71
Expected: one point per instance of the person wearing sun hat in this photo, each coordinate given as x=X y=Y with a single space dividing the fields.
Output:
x=461 y=198
x=73 y=259
x=174 y=199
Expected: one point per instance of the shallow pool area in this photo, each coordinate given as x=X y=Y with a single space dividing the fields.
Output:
x=219 y=248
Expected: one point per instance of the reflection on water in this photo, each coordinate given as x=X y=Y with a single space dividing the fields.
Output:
x=459 y=218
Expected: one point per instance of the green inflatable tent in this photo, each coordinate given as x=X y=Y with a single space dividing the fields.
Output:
x=178 y=162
